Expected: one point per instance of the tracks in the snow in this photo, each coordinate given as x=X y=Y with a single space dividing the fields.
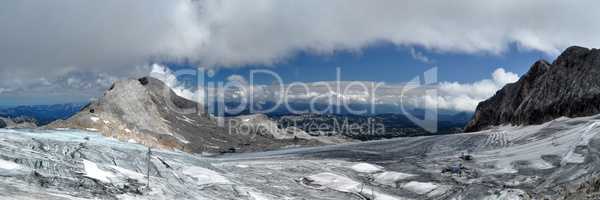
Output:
x=496 y=139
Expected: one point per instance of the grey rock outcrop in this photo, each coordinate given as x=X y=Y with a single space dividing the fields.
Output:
x=2 y=123
x=570 y=86
x=20 y=122
x=147 y=111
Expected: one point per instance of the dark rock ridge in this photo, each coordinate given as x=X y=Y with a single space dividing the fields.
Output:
x=2 y=123
x=147 y=111
x=570 y=86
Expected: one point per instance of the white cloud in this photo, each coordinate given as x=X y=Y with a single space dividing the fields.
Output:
x=74 y=86
x=238 y=79
x=114 y=35
x=502 y=77
x=165 y=75
x=448 y=95
x=417 y=55
x=466 y=96
x=162 y=73
x=44 y=39
x=268 y=31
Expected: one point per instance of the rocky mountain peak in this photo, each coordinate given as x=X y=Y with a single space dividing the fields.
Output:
x=147 y=111
x=573 y=56
x=136 y=110
x=537 y=69
x=569 y=86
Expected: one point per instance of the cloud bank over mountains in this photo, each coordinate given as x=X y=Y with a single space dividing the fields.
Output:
x=465 y=97
x=448 y=95
x=49 y=39
x=115 y=33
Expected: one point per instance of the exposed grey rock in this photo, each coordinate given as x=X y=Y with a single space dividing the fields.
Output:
x=20 y=122
x=260 y=124
x=570 y=86
x=147 y=111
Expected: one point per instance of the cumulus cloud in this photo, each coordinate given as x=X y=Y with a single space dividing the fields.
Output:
x=466 y=96
x=453 y=96
x=501 y=76
x=417 y=55
x=163 y=73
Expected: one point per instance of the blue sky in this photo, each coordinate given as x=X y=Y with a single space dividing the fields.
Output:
x=387 y=63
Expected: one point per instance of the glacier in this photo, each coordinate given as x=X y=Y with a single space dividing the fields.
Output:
x=554 y=160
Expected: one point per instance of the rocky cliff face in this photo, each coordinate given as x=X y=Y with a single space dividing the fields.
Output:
x=146 y=111
x=2 y=123
x=570 y=86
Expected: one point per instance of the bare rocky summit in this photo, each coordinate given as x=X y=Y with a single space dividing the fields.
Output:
x=147 y=111
x=570 y=86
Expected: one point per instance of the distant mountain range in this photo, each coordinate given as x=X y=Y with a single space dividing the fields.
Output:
x=332 y=109
x=393 y=124
x=43 y=114
x=396 y=123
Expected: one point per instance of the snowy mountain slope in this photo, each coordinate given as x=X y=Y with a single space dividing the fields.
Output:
x=555 y=160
